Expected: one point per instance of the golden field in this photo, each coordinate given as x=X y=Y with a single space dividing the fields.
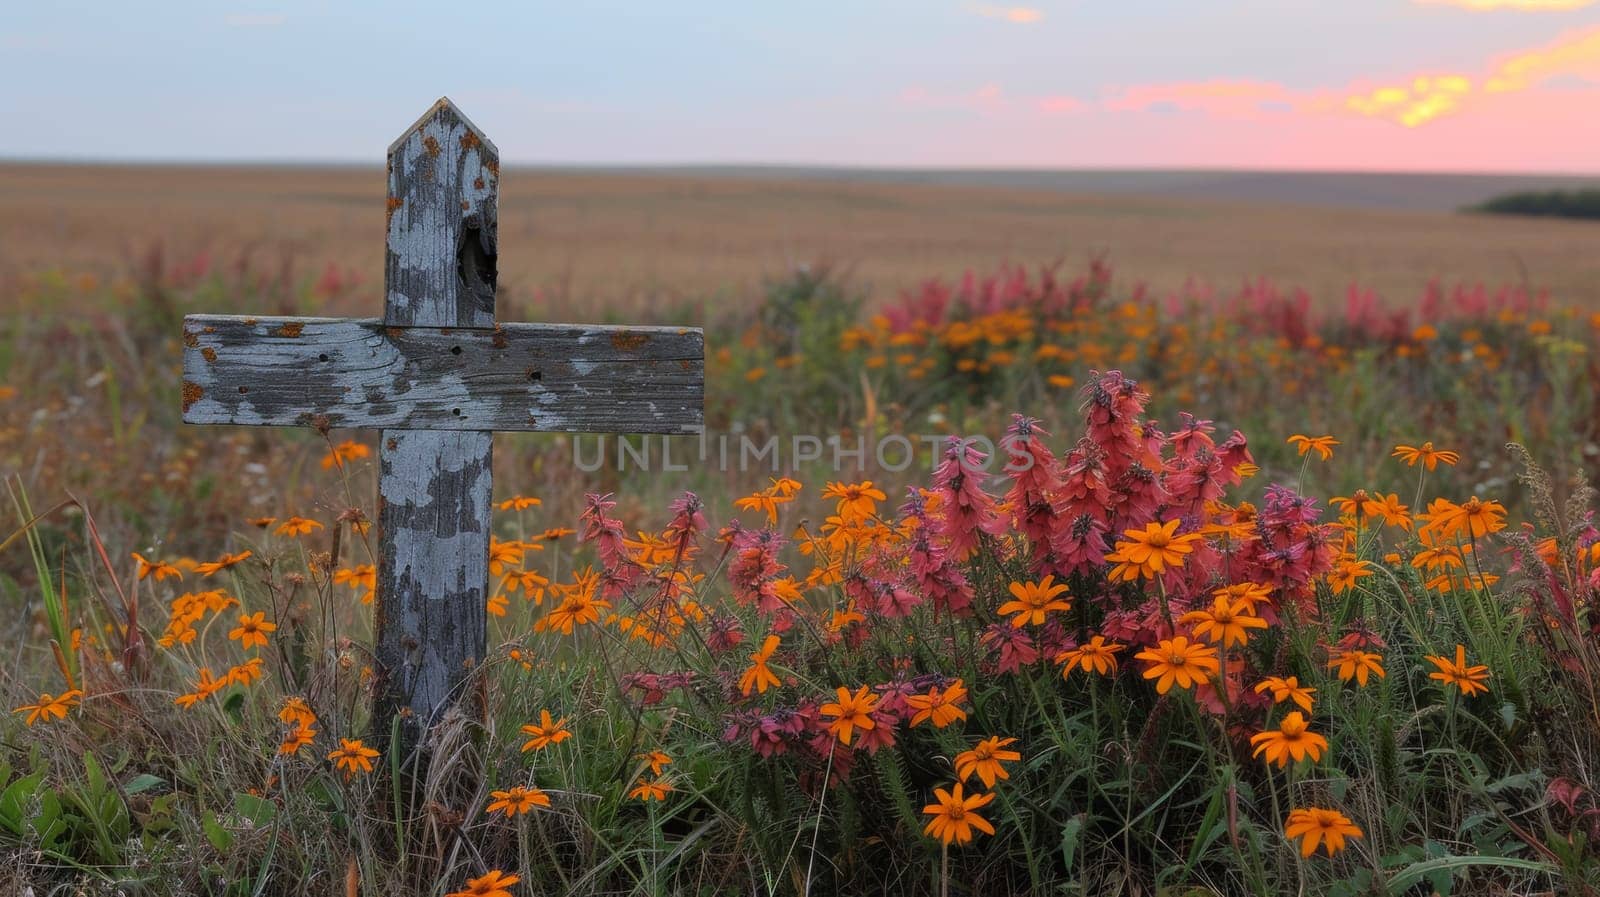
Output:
x=1271 y=607
x=632 y=240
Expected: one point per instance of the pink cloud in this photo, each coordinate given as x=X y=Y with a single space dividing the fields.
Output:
x=1058 y=104
x=989 y=97
x=1016 y=15
x=1227 y=99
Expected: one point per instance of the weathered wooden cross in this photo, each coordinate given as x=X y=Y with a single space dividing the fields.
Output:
x=438 y=376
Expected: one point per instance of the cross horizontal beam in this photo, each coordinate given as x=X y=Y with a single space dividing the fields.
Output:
x=349 y=373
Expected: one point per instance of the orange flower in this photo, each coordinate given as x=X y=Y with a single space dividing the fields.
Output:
x=222 y=563
x=579 y=607
x=782 y=491
x=296 y=711
x=1389 y=509
x=532 y=584
x=352 y=757
x=49 y=705
x=648 y=790
x=1176 y=661
x=1469 y=679
x=519 y=503
x=545 y=733
x=1033 y=600
x=843 y=619
x=955 y=816
x=1287 y=689
x=1319 y=827
x=158 y=569
x=296 y=739
x=1151 y=551
x=1292 y=740
x=657 y=760
x=252 y=630
x=940 y=706
x=205 y=686
x=1347 y=570
x=494 y=884
x=1357 y=665
x=497 y=605
x=517 y=799
x=1322 y=445
x=348 y=450
x=247 y=673
x=361 y=576
x=759 y=676
x=850 y=712
x=985 y=760
x=1473 y=518
x=1226 y=622
x=1251 y=593
x=1425 y=453
x=297 y=526
x=503 y=555
x=856 y=501
x=1098 y=656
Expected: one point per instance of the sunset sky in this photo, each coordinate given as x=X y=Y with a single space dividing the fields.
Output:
x=1450 y=85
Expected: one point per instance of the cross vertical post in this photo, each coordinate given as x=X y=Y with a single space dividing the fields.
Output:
x=434 y=493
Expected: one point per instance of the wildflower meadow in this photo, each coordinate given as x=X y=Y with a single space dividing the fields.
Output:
x=1185 y=592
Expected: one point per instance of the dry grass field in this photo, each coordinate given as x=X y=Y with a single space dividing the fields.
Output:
x=573 y=242
x=1221 y=511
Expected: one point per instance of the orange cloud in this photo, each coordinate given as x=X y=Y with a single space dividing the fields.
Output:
x=1517 y=5
x=1571 y=61
x=1017 y=15
x=1575 y=55
x=1422 y=100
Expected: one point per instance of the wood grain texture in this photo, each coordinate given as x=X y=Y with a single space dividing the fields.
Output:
x=434 y=526
x=360 y=373
x=434 y=487
x=442 y=246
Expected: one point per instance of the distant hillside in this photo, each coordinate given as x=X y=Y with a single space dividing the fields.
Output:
x=1545 y=204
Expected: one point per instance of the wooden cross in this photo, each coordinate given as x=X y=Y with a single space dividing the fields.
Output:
x=438 y=375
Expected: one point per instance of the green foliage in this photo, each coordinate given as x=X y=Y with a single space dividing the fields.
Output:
x=1582 y=203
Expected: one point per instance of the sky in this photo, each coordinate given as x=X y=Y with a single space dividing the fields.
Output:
x=1391 y=85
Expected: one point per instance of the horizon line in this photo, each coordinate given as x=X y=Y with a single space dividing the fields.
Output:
x=781 y=167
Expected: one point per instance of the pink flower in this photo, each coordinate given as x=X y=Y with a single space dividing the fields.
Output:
x=966 y=510
x=1013 y=648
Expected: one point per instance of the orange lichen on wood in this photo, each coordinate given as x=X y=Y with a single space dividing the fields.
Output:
x=628 y=341
x=191 y=393
x=289 y=330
